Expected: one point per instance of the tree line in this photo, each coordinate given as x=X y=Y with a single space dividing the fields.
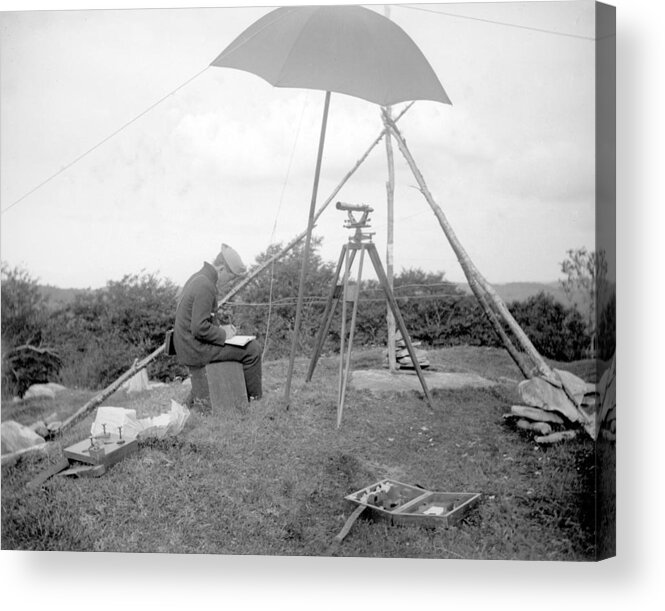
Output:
x=92 y=340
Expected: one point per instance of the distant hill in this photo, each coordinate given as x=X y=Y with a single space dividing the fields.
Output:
x=510 y=291
x=58 y=297
x=520 y=291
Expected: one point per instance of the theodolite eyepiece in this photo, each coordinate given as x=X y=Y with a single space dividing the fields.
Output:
x=354 y=207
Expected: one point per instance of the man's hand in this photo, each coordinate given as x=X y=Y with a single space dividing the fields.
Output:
x=230 y=331
x=223 y=315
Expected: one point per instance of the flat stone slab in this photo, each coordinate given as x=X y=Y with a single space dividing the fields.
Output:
x=382 y=380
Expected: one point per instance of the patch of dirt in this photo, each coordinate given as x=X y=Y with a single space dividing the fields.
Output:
x=382 y=381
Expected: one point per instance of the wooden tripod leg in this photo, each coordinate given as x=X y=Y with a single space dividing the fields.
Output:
x=383 y=279
x=331 y=306
x=345 y=378
x=343 y=328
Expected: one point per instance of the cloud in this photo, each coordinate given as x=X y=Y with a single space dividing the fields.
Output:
x=558 y=171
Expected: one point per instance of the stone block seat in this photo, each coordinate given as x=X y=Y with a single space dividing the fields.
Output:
x=221 y=386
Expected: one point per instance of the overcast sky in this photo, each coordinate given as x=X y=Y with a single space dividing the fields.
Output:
x=229 y=158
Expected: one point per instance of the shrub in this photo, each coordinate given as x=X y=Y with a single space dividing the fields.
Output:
x=27 y=365
x=102 y=332
x=23 y=308
x=267 y=306
x=425 y=300
x=25 y=360
x=556 y=331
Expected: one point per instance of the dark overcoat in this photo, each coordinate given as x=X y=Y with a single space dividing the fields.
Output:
x=197 y=334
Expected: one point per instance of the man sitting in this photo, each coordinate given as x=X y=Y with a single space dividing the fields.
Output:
x=198 y=337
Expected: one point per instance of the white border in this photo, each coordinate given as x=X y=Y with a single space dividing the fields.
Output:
x=633 y=580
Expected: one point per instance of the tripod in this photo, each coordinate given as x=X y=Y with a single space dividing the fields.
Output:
x=359 y=242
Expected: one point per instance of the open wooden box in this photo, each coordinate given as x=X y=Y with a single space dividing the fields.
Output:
x=406 y=504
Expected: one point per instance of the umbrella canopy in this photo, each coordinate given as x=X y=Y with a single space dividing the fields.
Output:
x=346 y=49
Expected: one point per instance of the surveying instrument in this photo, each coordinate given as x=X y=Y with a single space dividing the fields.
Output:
x=360 y=241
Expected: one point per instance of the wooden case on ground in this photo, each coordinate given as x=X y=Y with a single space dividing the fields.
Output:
x=411 y=505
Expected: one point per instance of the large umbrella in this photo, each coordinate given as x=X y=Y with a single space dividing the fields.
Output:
x=346 y=49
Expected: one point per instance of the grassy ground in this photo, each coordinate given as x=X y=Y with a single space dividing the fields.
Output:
x=273 y=481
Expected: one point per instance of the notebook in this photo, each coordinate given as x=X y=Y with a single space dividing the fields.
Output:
x=240 y=340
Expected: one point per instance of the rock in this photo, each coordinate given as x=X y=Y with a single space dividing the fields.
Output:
x=577 y=387
x=16 y=437
x=556 y=437
x=537 y=392
x=407 y=363
x=590 y=401
x=56 y=388
x=534 y=413
x=39 y=390
x=404 y=352
x=540 y=427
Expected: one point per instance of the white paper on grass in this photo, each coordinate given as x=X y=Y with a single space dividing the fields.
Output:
x=137 y=383
x=163 y=425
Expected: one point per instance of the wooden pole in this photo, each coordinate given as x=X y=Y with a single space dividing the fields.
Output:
x=475 y=278
x=390 y=192
x=390 y=239
x=308 y=242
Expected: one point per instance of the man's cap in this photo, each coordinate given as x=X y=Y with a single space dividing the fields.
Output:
x=231 y=259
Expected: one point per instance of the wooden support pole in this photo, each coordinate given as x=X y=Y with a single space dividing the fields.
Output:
x=474 y=277
x=390 y=239
x=305 y=258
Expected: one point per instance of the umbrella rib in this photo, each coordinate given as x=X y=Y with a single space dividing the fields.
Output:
x=232 y=49
x=293 y=46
